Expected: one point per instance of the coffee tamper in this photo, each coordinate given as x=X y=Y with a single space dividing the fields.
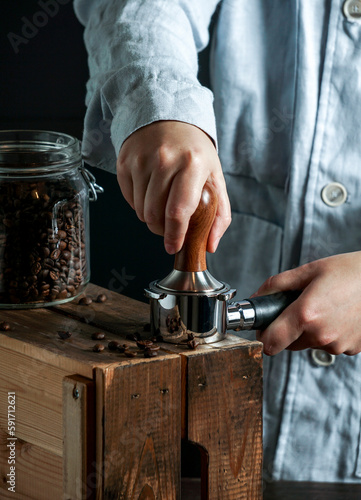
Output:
x=191 y=301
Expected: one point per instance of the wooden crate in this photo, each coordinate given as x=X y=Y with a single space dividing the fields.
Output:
x=105 y=426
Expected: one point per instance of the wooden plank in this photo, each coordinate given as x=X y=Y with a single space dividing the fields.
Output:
x=224 y=417
x=79 y=438
x=38 y=389
x=35 y=333
x=38 y=473
x=119 y=314
x=141 y=435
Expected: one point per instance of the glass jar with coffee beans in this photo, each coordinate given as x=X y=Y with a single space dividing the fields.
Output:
x=44 y=212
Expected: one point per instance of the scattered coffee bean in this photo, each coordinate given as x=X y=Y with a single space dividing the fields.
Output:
x=192 y=344
x=64 y=334
x=85 y=301
x=98 y=335
x=130 y=354
x=113 y=345
x=102 y=298
x=142 y=344
x=190 y=336
x=4 y=326
x=153 y=347
x=98 y=348
x=150 y=353
x=122 y=348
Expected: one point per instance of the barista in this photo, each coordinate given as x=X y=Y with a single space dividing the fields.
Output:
x=284 y=116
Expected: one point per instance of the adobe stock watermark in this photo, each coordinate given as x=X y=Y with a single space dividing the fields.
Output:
x=119 y=280
x=30 y=27
x=279 y=121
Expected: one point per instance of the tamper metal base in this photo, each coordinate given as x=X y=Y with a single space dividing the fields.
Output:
x=175 y=314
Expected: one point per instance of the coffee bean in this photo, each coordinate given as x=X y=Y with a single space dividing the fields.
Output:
x=122 y=348
x=62 y=295
x=54 y=274
x=62 y=234
x=102 y=297
x=4 y=326
x=130 y=354
x=85 y=301
x=36 y=268
x=98 y=348
x=45 y=251
x=149 y=353
x=142 y=344
x=113 y=345
x=152 y=347
x=192 y=344
x=133 y=336
x=55 y=254
x=64 y=334
x=98 y=336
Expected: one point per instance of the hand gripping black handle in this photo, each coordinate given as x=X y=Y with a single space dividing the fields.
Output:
x=268 y=307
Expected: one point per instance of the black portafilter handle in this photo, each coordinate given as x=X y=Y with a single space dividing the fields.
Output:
x=268 y=307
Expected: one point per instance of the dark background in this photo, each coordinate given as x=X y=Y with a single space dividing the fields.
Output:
x=42 y=86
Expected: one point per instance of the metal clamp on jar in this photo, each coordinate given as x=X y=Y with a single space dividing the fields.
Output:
x=191 y=301
x=44 y=218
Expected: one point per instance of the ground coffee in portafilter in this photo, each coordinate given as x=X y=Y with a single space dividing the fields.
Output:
x=42 y=242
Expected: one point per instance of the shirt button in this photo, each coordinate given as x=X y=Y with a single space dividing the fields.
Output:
x=334 y=194
x=352 y=10
x=322 y=358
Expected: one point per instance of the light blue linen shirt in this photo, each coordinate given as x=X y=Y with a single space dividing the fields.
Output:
x=285 y=111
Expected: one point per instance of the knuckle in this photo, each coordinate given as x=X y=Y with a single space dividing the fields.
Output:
x=152 y=217
x=178 y=213
x=335 y=348
x=307 y=316
x=324 y=339
x=227 y=220
x=166 y=157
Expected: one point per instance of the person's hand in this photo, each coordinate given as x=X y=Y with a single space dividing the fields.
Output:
x=327 y=314
x=161 y=170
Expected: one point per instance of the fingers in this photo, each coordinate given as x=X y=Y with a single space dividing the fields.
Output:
x=298 y=327
x=283 y=331
x=223 y=216
x=162 y=169
x=182 y=202
x=293 y=279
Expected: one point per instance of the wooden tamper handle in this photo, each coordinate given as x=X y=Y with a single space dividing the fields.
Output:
x=192 y=256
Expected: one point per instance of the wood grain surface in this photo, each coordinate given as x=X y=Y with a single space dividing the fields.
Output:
x=38 y=472
x=211 y=396
x=78 y=438
x=192 y=256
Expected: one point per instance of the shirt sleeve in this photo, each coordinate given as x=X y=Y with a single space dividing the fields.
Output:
x=143 y=63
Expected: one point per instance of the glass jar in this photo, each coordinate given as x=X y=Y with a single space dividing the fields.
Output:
x=44 y=218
